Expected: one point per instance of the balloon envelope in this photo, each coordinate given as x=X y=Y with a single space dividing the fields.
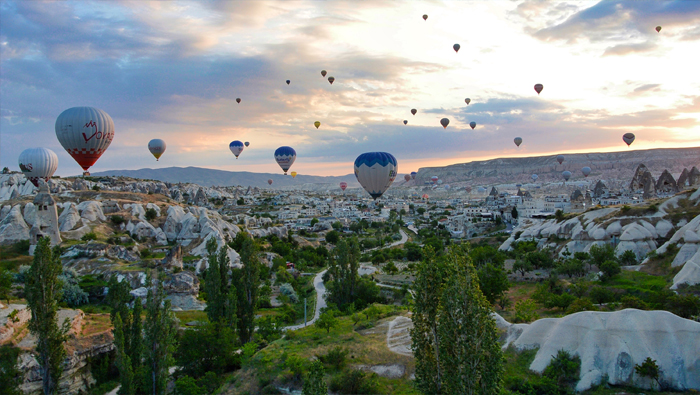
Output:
x=425 y=196
x=586 y=171
x=285 y=157
x=38 y=163
x=413 y=175
x=331 y=79
x=414 y=111
x=288 y=81
x=534 y=177
x=247 y=143
x=294 y=174
x=425 y=17
x=86 y=133
x=157 y=147
x=317 y=124
x=518 y=141
x=439 y=182
x=236 y=147
x=560 y=159
x=566 y=174
x=658 y=29
x=407 y=177
x=323 y=73
x=444 y=122
x=456 y=47
x=269 y=182
x=343 y=185
x=434 y=179
x=238 y=100
x=538 y=88
x=468 y=189
x=628 y=138
x=467 y=100
x=405 y=121
x=472 y=124
x=376 y=171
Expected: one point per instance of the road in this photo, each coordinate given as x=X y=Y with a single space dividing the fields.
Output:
x=320 y=302
x=404 y=239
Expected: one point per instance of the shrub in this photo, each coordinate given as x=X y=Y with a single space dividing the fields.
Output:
x=582 y=304
x=21 y=247
x=95 y=188
x=354 y=382
x=649 y=369
x=610 y=269
x=525 y=311
x=391 y=268
x=117 y=219
x=151 y=214
x=287 y=289
x=89 y=236
x=146 y=253
x=74 y=296
x=336 y=357
x=628 y=258
x=564 y=369
x=600 y=295
x=332 y=236
x=633 y=302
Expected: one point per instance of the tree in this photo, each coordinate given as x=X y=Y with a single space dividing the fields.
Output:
x=571 y=267
x=523 y=266
x=314 y=383
x=151 y=214
x=160 y=329
x=600 y=254
x=5 y=285
x=314 y=221
x=559 y=215
x=514 y=212
x=649 y=369
x=493 y=282
x=421 y=210
x=221 y=294
x=240 y=202
x=343 y=272
x=564 y=369
x=628 y=258
x=333 y=236
x=337 y=225
x=10 y=375
x=209 y=348
x=123 y=362
x=43 y=290
x=327 y=321
x=610 y=269
x=246 y=282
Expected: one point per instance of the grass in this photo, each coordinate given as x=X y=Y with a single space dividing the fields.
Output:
x=96 y=323
x=191 y=315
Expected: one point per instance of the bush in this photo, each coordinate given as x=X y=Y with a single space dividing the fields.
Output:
x=332 y=236
x=525 y=311
x=610 y=269
x=564 y=369
x=117 y=219
x=582 y=304
x=146 y=253
x=287 y=289
x=21 y=247
x=336 y=357
x=628 y=258
x=354 y=382
x=74 y=296
x=89 y=236
x=633 y=302
x=151 y=214
x=600 y=295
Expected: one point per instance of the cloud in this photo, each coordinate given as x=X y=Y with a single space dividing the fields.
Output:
x=626 y=49
x=646 y=88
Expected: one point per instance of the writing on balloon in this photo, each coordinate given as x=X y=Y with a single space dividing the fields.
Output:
x=25 y=167
x=98 y=135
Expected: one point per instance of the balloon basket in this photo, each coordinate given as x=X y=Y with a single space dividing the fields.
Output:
x=86 y=174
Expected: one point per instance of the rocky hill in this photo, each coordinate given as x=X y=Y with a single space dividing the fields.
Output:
x=212 y=177
x=609 y=166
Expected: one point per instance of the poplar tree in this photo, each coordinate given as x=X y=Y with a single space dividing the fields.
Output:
x=455 y=340
x=343 y=268
x=123 y=362
x=160 y=329
x=314 y=383
x=43 y=291
x=246 y=282
x=221 y=294
x=136 y=341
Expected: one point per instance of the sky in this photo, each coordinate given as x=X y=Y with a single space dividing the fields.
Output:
x=172 y=70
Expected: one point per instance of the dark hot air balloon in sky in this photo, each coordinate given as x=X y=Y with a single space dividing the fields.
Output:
x=456 y=47
x=444 y=122
x=538 y=88
x=628 y=138
x=425 y=17
x=414 y=111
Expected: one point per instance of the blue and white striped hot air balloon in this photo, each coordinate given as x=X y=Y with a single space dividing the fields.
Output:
x=285 y=157
x=236 y=147
x=376 y=171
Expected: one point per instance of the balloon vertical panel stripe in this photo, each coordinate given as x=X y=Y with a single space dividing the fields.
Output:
x=376 y=171
x=85 y=132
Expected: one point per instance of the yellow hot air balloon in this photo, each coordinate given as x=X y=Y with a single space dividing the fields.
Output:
x=294 y=174
x=317 y=124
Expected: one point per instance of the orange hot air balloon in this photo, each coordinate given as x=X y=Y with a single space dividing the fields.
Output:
x=538 y=88
x=294 y=174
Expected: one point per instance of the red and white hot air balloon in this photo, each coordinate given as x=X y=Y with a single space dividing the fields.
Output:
x=86 y=133
x=343 y=185
x=407 y=177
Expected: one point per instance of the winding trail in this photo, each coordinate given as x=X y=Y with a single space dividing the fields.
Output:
x=320 y=301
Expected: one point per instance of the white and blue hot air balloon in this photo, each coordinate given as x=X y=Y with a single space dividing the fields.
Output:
x=236 y=147
x=534 y=177
x=38 y=163
x=566 y=174
x=285 y=157
x=376 y=171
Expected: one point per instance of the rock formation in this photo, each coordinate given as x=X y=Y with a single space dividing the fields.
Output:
x=682 y=181
x=666 y=184
x=13 y=228
x=600 y=189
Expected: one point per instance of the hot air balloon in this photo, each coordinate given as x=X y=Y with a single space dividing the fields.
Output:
x=472 y=124
x=238 y=100
x=586 y=171
x=425 y=196
x=468 y=189
x=236 y=147
x=425 y=17
x=538 y=88
x=285 y=157
x=323 y=73
x=434 y=179
x=331 y=79
x=317 y=124
x=467 y=100
x=518 y=141
x=414 y=111
x=294 y=174
x=38 y=163
x=560 y=159
x=534 y=177
x=157 y=147
x=566 y=174
x=85 y=132
x=376 y=171
x=456 y=47
x=343 y=185
x=447 y=187
x=405 y=121
x=269 y=182
x=439 y=182
x=658 y=29
x=407 y=177
x=444 y=122
x=413 y=175
x=288 y=81
x=628 y=138
x=247 y=143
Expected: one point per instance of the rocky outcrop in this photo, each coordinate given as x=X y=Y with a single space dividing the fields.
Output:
x=30 y=214
x=9 y=325
x=91 y=212
x=644 y=182
x=69 y=218
x=694 y=177
x=682 y=181
x=173 y=222
x=611 y=344
x=666 y=184
x=143 y=229
x=95 y=250
x=200 y=199
x=173 y=259
x=13 y=228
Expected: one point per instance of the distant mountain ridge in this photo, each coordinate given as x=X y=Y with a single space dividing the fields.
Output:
x=213 y=177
